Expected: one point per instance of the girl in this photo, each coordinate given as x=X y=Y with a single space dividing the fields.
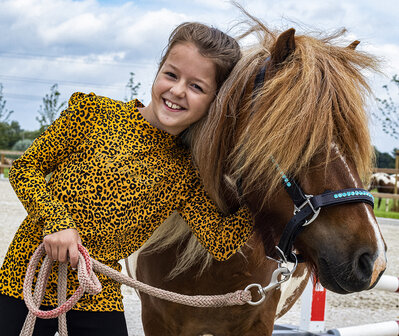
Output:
x=119 y=170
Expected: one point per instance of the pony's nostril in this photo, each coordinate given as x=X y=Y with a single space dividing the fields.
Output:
x=365 y=266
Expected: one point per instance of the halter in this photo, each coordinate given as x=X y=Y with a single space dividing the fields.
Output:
x=307 y=207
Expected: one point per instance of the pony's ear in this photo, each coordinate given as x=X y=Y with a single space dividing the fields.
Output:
x=284 y=46
x=353 y=45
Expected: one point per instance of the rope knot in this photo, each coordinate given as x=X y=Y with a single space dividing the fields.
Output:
x=87 y=279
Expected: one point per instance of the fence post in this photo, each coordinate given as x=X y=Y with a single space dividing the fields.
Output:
x=313 y=307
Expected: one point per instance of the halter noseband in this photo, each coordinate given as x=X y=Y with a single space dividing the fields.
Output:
x=307 y=207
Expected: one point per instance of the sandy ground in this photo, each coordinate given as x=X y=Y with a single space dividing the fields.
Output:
x=342 y=310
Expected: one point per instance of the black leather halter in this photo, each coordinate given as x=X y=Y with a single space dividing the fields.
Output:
x=307 y=207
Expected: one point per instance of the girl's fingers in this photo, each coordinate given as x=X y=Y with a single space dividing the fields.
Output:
x=73 y=253
x=54 y=252
x=47 y=247
x=62 y=254
x=63 y=245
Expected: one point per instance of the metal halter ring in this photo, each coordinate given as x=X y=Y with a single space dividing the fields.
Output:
x=307 y=202
x=274 y=282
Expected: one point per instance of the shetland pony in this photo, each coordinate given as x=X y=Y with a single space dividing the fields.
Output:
x=308 y=115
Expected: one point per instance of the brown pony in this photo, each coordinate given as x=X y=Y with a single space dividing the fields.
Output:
x=308 y=116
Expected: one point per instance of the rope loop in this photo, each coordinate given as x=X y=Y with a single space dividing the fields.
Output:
x=87 y=279
x=89 y=283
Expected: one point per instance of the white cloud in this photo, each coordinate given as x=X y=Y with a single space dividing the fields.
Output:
x=90 y=42
x=389 y=53
x=78 y=28
x=152 y=28
x=213 y=4
x=84 y=27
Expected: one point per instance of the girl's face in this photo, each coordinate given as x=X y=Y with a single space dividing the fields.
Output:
x=183 y=90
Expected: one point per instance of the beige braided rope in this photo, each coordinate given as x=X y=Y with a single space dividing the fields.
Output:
x=89 y=283
x=61 y=296
x=239 y=297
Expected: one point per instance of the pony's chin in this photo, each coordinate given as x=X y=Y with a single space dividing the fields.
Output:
x=330 y=281
x=333 y=286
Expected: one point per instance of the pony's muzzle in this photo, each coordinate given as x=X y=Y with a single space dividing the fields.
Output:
x=368 y=268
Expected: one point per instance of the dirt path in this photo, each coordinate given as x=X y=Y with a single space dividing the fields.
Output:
x=342 y=310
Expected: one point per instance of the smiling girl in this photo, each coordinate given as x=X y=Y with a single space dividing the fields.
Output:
x=118 y=171
x=183 y=90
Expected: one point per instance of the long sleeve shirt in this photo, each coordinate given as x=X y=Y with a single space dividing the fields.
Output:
x=115 y=178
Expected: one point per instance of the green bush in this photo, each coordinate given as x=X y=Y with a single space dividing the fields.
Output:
x=22 y=145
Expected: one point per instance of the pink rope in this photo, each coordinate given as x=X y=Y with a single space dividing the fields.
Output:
x=89 y=283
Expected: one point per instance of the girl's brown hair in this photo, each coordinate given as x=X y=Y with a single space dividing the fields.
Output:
x=212 y=43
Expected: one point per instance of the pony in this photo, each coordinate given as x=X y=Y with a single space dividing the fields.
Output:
x=384 y=183
x=306 y=119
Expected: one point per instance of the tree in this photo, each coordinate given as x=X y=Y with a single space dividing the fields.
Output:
x=4 y=113
x=31 y=134
x=132 y=87
x=389 y=111
x=384 y=160
x=50 y=109
x=10 y=133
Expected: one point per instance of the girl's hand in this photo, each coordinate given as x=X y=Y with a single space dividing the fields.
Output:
x=63 y=245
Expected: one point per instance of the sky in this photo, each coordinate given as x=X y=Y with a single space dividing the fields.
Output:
x=93 y=45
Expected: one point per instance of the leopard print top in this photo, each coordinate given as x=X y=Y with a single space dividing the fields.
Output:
x=115 y=178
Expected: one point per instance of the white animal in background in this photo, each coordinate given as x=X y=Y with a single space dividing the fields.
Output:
x=384 y=183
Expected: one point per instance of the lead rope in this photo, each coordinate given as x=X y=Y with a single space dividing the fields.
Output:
x=89 y=283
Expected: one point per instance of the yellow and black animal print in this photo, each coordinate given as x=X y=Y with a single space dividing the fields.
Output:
x=115 y=178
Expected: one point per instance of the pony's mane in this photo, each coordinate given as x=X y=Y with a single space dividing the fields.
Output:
x=174 y=230
x=314 y=101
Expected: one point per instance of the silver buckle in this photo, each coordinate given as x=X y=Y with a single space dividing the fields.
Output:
x=307 y=202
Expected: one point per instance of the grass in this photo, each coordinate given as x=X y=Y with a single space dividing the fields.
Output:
x=6 y=172
x=381 y=211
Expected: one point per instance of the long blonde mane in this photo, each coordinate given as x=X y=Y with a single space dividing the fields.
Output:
x=174 y=230
x=315 y=99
